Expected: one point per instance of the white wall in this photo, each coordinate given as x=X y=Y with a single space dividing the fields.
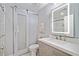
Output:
x=45 y=18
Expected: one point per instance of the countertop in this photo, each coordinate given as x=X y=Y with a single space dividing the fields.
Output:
x=70 y=48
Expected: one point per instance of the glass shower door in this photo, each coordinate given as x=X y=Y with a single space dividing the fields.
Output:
x=20 y=33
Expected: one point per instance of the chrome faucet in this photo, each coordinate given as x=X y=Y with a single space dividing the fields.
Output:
x=60 y=38
x=64 y=37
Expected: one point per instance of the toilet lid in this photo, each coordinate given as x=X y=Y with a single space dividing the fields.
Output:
x=34 y=46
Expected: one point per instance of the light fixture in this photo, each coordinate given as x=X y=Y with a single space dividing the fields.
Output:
x=62 y=13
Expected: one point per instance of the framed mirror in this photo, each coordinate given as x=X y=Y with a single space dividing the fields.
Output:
x=60 y=22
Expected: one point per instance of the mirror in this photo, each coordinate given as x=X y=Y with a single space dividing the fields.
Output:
x=60 y=19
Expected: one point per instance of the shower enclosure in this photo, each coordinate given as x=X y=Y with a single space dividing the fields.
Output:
x=24 y=25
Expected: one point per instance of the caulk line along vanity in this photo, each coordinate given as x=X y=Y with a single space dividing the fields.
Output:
x=61 y=48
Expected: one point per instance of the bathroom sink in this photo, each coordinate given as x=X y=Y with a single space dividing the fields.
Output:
x=67 y=47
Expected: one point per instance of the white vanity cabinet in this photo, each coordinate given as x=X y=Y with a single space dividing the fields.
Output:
x=46 y=50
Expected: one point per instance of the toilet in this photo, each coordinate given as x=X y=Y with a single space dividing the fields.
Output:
x=33 y=49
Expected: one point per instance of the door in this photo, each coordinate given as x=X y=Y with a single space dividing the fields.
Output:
x=20 y=32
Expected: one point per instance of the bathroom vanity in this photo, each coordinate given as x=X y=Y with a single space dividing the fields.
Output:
x=53 y=47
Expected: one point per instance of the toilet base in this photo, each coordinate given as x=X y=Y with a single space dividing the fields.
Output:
x=34 y=49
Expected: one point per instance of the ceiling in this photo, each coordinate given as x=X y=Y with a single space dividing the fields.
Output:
x=35 y=7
